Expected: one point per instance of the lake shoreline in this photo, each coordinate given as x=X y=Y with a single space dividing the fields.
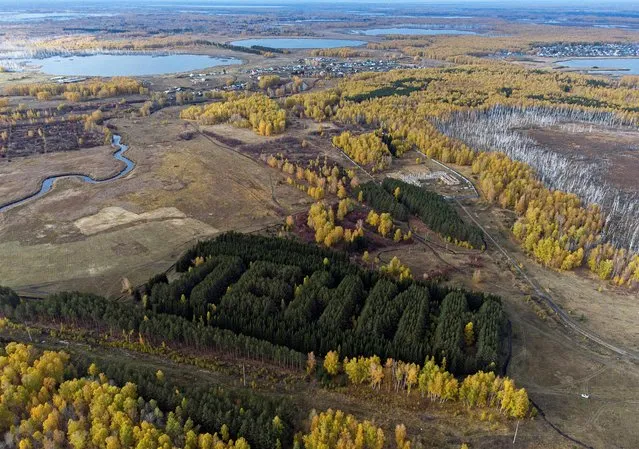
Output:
x=118 y=63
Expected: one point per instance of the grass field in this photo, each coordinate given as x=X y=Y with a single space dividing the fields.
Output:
x=74 y=237
x=23 y=176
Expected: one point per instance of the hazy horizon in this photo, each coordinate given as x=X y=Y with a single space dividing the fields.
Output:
x=210 y=3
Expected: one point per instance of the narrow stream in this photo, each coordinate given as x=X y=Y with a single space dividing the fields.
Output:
x=48 y=183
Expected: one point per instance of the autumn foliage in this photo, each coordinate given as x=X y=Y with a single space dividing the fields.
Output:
x=479 y=390
x=74 y=92
x=335 y=429
x=365 y=149
x=40 y=408
x=258 y=112
x=556 y=228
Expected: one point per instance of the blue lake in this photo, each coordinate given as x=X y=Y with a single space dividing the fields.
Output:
x=126 y=65
x=17 y=17
x=609 y=64
x=297 y=43
x=411 y=31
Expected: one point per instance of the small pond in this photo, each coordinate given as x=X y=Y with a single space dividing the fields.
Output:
x=622 y=66
x=411 y=31
x=297 y=43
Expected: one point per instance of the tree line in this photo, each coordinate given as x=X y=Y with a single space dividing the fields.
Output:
x=292 y=298
x=365 y=149
x=129 y=320
x=49 y=400
x=479 y=390
x=381 y=200
x=257 y=111
x=264 y=422
x=291 y=294
x=79 y=91
x=436 y=213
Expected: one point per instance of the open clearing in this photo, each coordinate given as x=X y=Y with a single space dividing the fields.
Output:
x=136 y=226
x=96 y=263
x=111 y=217
x=615 y=150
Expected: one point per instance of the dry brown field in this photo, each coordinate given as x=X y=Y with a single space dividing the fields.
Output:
x=178 y=192
x=615 y=150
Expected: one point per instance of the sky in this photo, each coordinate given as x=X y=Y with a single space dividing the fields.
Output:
x=512 y=4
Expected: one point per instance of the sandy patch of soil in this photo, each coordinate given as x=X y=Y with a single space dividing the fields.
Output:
x=111 y=217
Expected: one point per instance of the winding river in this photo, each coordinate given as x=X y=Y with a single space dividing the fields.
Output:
x=47 y=184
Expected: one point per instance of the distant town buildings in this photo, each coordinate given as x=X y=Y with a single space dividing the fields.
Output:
x=325 y=67
x=568 y=50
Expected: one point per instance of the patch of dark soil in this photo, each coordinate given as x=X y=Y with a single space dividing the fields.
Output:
x=27 y=139
x=229 y=141
x=617 y=151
